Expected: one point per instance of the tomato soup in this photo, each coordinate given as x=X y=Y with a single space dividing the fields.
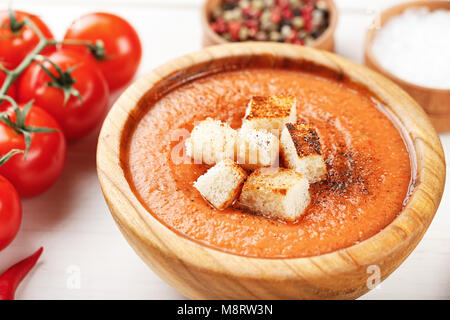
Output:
x=368 y=163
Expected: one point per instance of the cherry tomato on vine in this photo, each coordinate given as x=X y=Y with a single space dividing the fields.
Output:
x=75 y=94
x=10 y=213
x=122 y=48
x=17 y=40
x=35 y=171
x=11 y=92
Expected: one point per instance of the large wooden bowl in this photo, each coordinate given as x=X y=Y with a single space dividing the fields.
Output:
x=436 y=102
x=201 y=272
x=324 y=42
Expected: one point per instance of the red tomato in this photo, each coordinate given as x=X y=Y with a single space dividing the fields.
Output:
x=77 y=116
x=15 y=46
x=10 y=213
x=46 y=157
x=11 y=92
x=121 y=43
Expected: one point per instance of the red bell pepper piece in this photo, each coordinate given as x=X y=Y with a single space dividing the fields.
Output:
x=11 y=278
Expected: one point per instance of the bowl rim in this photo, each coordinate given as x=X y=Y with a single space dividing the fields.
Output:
x=402 y=235
x=371 y=34
x=329 y=31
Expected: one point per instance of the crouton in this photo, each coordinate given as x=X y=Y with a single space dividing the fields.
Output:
x=221 y=184
x=276 y=193
x=270 y=113
x=300 y=147
x=257 y=148
x=211 y=141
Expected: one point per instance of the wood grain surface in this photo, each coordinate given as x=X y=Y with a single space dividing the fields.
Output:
x=201 y=272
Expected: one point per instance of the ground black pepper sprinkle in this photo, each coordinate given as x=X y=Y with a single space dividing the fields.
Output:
x=344 y=173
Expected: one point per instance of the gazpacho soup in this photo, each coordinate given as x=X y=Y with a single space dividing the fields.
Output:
x=364 y=184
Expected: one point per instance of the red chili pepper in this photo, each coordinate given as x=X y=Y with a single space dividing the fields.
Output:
x=11 y=278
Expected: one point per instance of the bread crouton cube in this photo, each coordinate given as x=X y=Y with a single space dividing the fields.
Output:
x=211 y=141
x=257 y=148
x=270 y=113
x=300 y=147
x=221 y=184
x=277 y=193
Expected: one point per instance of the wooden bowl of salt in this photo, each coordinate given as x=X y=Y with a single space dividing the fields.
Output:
x=407 y=43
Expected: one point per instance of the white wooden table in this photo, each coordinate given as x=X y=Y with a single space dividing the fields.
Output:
x=86 y=256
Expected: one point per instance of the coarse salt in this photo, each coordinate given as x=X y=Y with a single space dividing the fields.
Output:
x=415 y=46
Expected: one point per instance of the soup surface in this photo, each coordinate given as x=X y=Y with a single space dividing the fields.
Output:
x=368 y=164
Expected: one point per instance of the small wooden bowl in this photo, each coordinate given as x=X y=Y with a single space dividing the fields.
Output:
x=324 y=42
x=201 y=272
x=436 y=102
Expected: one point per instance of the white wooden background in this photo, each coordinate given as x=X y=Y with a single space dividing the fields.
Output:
x=85 y=255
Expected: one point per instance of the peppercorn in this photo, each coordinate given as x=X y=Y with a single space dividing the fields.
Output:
x=217 y=12
x=308 y=25
x=233 y=28
x=244 y=4
x=321 y=5
x=317 y=17
x=243 y=33
x=283 y=4
x=308 y=40
x=275 y=36
x=293 y=37
x=302 y=34
x=258 y=4
x=265 y=17
x=298 y=22
x=229 y=4
x=252 y=24
x=276 y=15
x=261 y=36
x=219 y=26
x=226 y=36
x=286 y=32
x=268 y=26
x=228 y=15
x=287 y=14
x=295 y=4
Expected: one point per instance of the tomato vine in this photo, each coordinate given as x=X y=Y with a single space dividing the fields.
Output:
x=63 y=80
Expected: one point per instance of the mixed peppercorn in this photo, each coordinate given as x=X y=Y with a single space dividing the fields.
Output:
x=291 y=21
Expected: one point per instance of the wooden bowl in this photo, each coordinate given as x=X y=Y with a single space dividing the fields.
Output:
x=324 y=42
x=202 y=272
x=436 y=102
